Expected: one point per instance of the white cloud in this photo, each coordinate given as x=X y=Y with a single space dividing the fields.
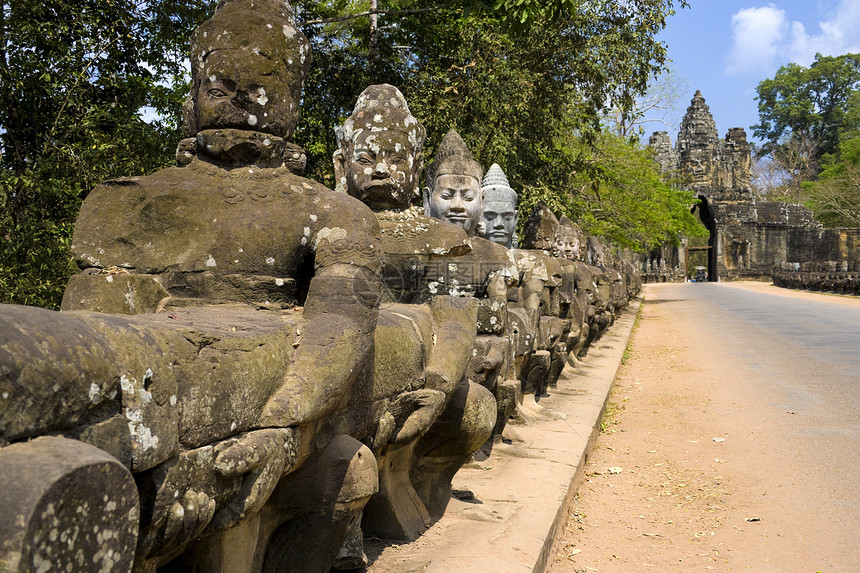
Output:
x=764 y=38
x=757 y=34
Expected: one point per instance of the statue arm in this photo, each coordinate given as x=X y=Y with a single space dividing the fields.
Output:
x=335 y=339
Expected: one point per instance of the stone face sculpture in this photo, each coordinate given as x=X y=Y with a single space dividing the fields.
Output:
x=250 y=297
x=500 y=207
x=380 y=160
x=569 y=240
x=453 y=191
x=540 y=229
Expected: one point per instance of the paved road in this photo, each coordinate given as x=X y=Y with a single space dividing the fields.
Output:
x=803 y=355
x=774 y=375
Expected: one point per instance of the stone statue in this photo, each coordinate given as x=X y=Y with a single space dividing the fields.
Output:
x=378 y=161
x=231 y=375
x=500 y=207
x=569 y=240
x=453 y=191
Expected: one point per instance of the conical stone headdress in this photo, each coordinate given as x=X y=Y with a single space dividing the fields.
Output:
x=453 y=158
x=568 y=227
x=495 y=186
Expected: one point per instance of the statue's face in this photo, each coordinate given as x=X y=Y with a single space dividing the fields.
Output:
x=382 y=170
x=567 y=247
x=457 y=199
x=500 y=219
x=243 y=90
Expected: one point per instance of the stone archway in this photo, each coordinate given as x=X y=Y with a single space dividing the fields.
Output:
x=707 y=217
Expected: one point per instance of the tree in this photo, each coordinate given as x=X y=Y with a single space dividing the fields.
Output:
x=809 y=107
x=502 y=73
x=75 y=77
x=659 y=104
x=615 y=189
x=835 y=196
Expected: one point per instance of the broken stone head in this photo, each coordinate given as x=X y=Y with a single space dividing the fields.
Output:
x=380 y=160
x=453 y=191
x=500 y=207
x=248 y=64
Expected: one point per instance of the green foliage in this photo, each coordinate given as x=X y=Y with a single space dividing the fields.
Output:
x=809 y=107
x=835 y=196
x=525 y=82
x=614 y=189
x=75 y=76
x=512 y=92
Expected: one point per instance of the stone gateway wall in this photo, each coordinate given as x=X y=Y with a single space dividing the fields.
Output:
x=749 y=237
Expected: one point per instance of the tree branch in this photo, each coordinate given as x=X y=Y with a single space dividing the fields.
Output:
x=368 y=13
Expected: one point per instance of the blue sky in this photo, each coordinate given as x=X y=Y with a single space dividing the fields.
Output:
x=726 y=47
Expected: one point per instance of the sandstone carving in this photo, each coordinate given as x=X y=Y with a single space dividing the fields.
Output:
x=748 y=236
x=500 y=207
x=250 y=368
x=379 y=160
x=453 y=191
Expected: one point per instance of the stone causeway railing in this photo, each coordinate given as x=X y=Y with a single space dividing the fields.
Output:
x=841 y=277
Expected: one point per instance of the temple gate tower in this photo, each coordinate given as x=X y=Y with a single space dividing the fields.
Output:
x=747 y=235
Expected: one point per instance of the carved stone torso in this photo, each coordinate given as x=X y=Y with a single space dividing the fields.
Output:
x=215 y=233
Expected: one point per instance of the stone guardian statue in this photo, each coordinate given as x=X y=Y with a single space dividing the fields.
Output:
x=500 y=208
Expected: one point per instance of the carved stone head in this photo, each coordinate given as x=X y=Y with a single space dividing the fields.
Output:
x=500 y=207
x=248 y=64
x=540 y=229
x=380 y=160
x=596 y=252
x=453 y=191
x=569 y=240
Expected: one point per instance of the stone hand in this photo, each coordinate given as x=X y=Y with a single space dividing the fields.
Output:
x=187 y=518
x=427 y=405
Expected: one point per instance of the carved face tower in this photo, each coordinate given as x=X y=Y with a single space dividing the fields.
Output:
x=380 y=160
x=248 y=64
x=453 y=191
x=500 y=207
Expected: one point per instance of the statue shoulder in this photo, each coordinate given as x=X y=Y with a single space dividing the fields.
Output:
x=412 y=232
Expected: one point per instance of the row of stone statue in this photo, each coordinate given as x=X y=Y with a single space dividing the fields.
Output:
x=252 y=369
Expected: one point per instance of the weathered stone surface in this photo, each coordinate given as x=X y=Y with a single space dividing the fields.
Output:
x=424 y=260
x=833 y=276
x=380 y=157
x=67 y=506
x=570 y=242
x=471 y=412
x=540 y=228
x=114 y=291
x=500 y=207
x=453 y=191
